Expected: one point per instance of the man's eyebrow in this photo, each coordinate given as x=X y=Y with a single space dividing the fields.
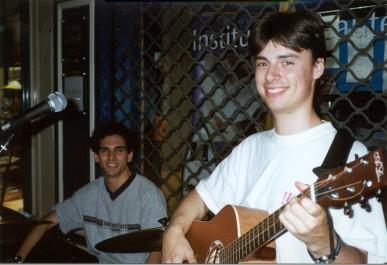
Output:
x=284 y=56
x=260 y=58
x=115 y=147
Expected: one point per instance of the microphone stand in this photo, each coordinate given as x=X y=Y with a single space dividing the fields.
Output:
x=3 y=148
x=5 y=141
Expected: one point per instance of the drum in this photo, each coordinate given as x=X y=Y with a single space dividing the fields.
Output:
x=56 y=247
x=78 y=248
x=14 y=227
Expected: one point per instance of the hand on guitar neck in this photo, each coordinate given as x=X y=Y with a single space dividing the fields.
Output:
x=308 y=222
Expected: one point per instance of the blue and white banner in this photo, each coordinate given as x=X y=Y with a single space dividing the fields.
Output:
x=359 y=51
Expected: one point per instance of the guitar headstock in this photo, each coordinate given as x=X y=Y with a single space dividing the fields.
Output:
x=357 y=181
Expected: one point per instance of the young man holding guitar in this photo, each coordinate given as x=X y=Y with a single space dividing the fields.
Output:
x=269 y=169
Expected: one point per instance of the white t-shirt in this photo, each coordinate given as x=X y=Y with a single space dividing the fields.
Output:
x=261 y=173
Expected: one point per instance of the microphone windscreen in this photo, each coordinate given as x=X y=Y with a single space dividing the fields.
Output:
x=57 y=101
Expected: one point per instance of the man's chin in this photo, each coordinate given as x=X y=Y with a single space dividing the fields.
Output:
x=111 y=174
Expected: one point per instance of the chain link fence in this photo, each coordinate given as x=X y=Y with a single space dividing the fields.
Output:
x=183 y=78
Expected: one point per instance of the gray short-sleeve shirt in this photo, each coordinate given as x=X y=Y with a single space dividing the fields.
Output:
x=139 y=206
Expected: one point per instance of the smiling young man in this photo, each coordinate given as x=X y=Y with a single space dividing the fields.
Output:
x=268 y=169
x=122 y=201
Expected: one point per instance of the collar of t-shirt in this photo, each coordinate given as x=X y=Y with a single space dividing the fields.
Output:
x=114 y=195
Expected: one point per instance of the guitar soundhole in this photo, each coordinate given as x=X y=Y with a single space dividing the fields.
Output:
x=214 y=251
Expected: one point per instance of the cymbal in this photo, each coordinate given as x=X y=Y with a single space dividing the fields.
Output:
x=146 y=240
x=8 y=217
x=24 y=222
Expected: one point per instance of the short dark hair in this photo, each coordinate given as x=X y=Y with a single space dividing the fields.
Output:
x=112 y=128
x=300 y=30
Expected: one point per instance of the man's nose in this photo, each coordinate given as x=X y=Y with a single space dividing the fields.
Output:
x=111 y=154
x=273 y=73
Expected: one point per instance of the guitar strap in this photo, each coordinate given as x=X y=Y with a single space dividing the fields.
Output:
x=338 y=152
x=337 y=156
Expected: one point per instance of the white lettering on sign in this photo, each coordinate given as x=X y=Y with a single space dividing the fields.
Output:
x=379 y=169
x=219 y=41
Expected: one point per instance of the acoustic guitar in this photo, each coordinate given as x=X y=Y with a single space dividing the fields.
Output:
x=240 y=234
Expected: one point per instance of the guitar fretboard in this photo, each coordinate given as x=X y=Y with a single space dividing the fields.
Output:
x=256 y=238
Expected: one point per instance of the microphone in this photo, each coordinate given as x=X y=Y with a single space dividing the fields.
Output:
x=55 y=102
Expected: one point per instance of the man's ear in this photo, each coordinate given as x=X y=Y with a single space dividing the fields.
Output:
x=318 y=68
x=130 y=156
x=96 y=157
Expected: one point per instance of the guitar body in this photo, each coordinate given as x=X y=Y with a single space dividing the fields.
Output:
x=208 y=237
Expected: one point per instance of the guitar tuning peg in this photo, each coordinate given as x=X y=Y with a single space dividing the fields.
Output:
x=348 y=210
x=365 y=205
x=379 y=195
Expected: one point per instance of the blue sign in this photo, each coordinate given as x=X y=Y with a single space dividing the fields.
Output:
x=358 y=51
